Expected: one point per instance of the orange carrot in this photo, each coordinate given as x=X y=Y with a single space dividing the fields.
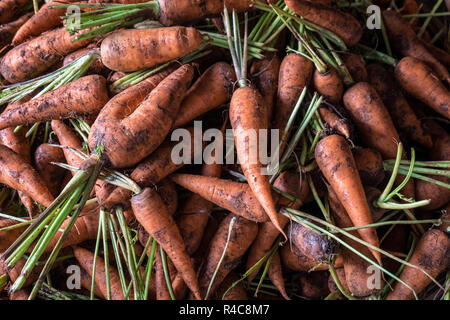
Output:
x=53 y=175
x=329 y=85
x=8 y=30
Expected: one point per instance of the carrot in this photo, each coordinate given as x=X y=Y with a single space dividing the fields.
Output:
x=342 y=24
x=96 y=67
x=33 y=57
x=314 y=285
x=248 y=114
x=53 y=175
x=86 y=283
x=9 y=236
x=438 y=195
x=86 y=260
x=297 y=186
x=293 y=260
x=236 y=293
x=337 y=164
x=22 y=294
x=374 y=124
x=432 y=254
x=43 y=20
x=9 y=8
x=402 y=114
x=147 y=47
x=264 y=73
x=356 y=269
x=295 y=74
x=67 y=137
x=19 y=175
x=210 y=91
x=243 y=232
x=275 y=273
x=341 y=276
x=152 y=214
x=438 y=53
x=335 y=123
x=139 y=129
x=162 y=292
x=8 y=30
x=82 y=97
x=169 y=196
x=406 y=42
x=193 y=215
x=355 y=66
x=329 y=85
x=419 y=81
x=311 y=243
x=234 y=196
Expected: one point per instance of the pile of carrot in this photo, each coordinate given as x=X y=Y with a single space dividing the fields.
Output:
x=355 y=205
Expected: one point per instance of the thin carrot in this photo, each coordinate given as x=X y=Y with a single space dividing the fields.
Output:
x=8 y=30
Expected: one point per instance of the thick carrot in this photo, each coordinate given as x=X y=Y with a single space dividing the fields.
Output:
x=341 y=276
x=20 y=175
x=335 y=123
x=210 y=91
x=336 y=162
x=153 y=215
x=295 y=74
x=294 y=184
x=234 y=196
x=86 y=260
x=407 y=43
x=329 y=84
x=401 y=112
x=33 y=57
x=375 y=125
x=420 y=82
x=193 y=215
x=295 y=261
x=9 y=8
x=356 y=66
x=356 y=269
x=53 y=175
x=432 y=254
x=43 y=20
x=275 y=273
x=82 y=97
x=139 y=131
x=243 y=233
x=314 y=285
x=248 y=117
x=264 y=73
x=86 y=283
x=135 y=49
x=342 y=24
x=8 y=30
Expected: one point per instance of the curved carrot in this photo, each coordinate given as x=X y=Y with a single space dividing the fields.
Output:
x=275 y=273
x=336 y=123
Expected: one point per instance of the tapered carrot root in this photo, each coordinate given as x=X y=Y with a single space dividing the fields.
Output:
x=53 y=175
x=402 y=114
x=355 y=65
x=147 y=47
x=340 y=23
x=7 y=31
x=9 y=8
x=337 y=164
x=265 y=77
x=234 y=196
x=86 y=260
x=370 y=166
x=82 y=97
x=419 y=81
x=432 y=254
x=248 y=116
x=152 y=214
x=43 y=20
x=67 y=137
x=210 y=91
x=19 y=175
x=162 y=292
x=406 y=42
x=295 y=74
x=355 y=268
x=293 y=184
x=329 y=85
x=275 y=273
x=243 y=233
x=31 y=58
x=145 y=128
x=336 y=123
